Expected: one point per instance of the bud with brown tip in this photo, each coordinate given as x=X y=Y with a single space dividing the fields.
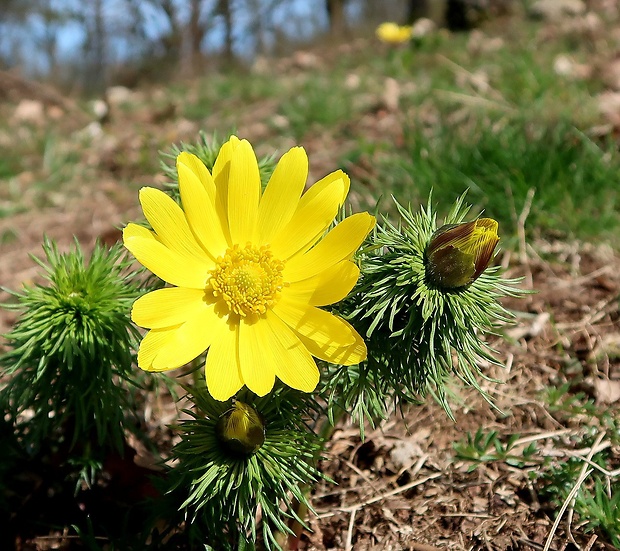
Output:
x=458 y=253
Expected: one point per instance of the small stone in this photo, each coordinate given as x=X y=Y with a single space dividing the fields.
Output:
x=55 y=113
x=423 y=27
x=119 y=95
x=611 y=74
x=305 y=60
x=555 y=10
x=405 y=454
x=480 y=43
x=565 y=66
x=100 y=109
x=29 y=111
x=609 y=107
x=391 y=94
x=352 y=81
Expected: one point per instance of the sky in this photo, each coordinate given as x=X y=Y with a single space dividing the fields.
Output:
x=298 y=19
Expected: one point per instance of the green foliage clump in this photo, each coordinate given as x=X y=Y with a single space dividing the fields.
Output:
x=206 y=149
x=215 y=487
x=70 y=349
x=417 y=335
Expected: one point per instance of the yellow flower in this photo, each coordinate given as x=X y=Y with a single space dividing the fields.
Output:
x=391 y=33
x=249 y=271
x=458 y=253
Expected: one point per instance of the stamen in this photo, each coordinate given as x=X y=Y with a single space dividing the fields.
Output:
x=248 y=279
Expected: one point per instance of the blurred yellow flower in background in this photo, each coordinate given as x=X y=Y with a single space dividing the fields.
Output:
x=392 y=33
x=248 y=272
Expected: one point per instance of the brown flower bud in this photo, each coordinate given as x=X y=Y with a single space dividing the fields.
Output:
x=458 y=253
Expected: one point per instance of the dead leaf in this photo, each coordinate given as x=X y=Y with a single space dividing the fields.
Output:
x=606 y=391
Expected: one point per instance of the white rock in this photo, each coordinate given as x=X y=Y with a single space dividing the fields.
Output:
x=99 y=108
x=391 y=94
x=55 y=113
x=90 y=132
x=566 y=66
x=555 y=10
x=29 y=111
x=405 y=453
x=611 y=74
x=423 y=27
x=479 y=43
x=185 y=128
x=352 y=81
x=563 y=65
x=609 y=107
x=117 y=95
x=306 y=60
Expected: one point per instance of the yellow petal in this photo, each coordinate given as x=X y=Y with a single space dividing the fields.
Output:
x=325 y=182
x=189 y=341
x=244 y=191
x=135 y=230
x=282 y=193
x=291 y=361
x=151 y=344
x=168 y=265
x=221 y=167
x=350 y=354
x=327 y=287
x=339 y=244
x=312 y=322
x=203 y=218
x=223 y=372
x=200 y=170
x=257 y=370
x=167 y=307
x=221 y=173
x=169 y=223
x=316 y=211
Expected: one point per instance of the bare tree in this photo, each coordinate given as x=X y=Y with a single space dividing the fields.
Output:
x=13 y=14
x=200 y=22
x=91 y=17
x=173 y=39
x=417 y=9
x=336 y=16
x=224 y=9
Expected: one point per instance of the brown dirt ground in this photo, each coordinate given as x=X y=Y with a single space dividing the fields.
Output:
x=404 y=487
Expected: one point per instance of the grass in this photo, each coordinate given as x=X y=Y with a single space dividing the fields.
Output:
x=225 y=94
x=574 y=180
x=317 y=102
x=496 y=121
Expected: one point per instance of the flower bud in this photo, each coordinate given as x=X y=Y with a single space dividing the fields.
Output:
x=458 y=253
x=241 y=429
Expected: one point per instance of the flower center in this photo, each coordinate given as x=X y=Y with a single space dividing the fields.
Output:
x=249 y=280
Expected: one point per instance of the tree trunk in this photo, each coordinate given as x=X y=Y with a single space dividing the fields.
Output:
x=456 y=16
x=173 y=40
x=95 y=48
x=196 y=35
x=417 y=9
x=335 y=14
x=225 y=10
